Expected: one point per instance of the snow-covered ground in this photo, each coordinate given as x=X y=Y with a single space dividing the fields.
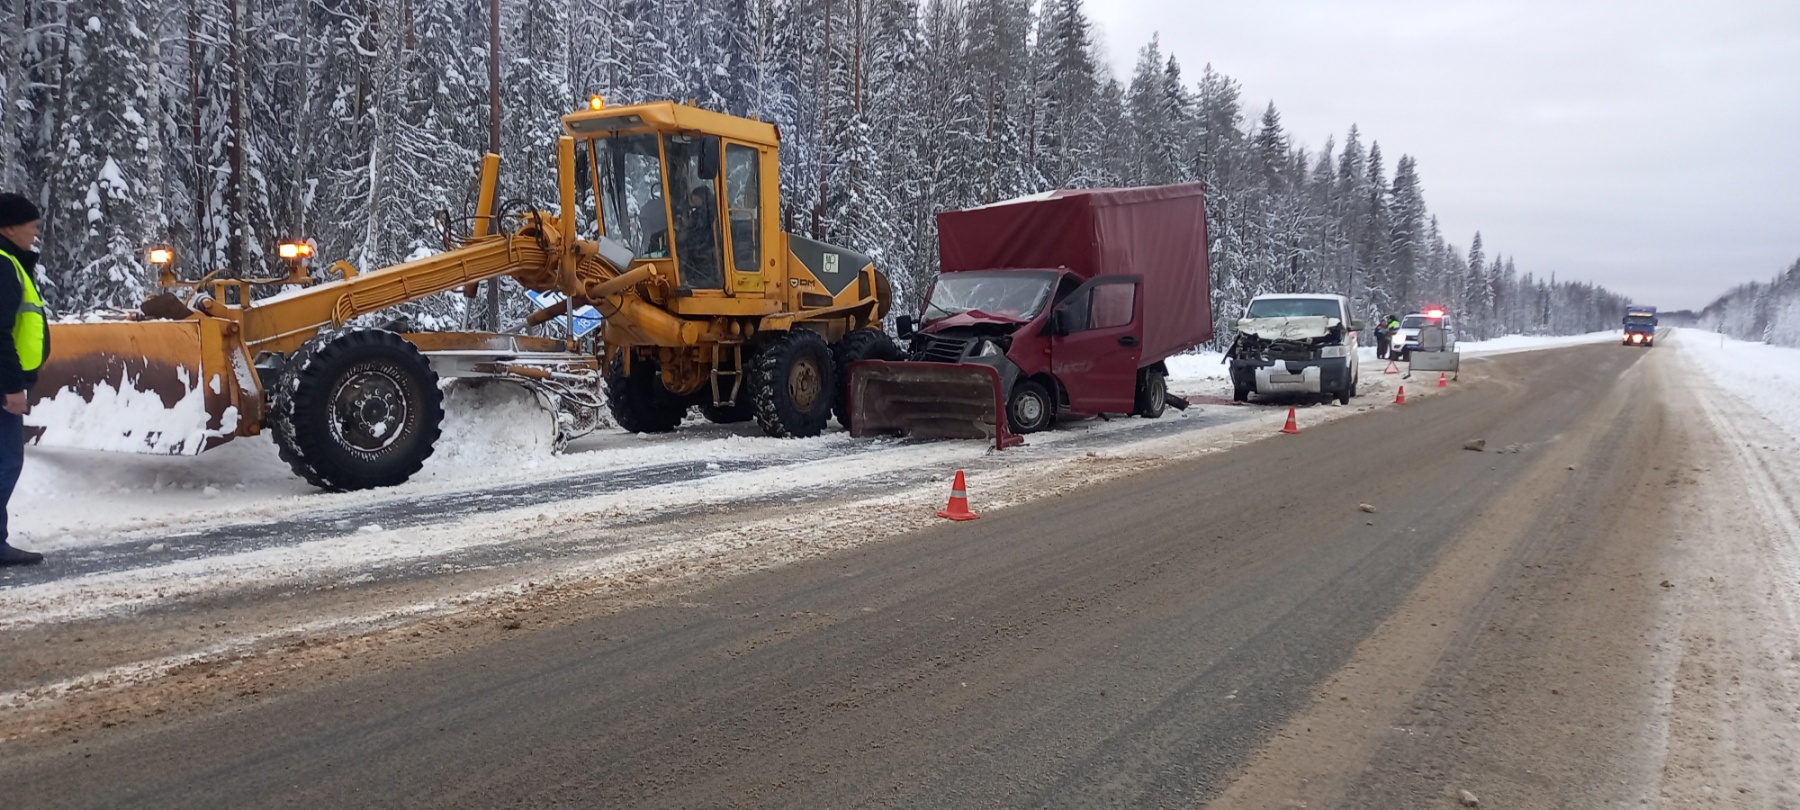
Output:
x=1768 y=377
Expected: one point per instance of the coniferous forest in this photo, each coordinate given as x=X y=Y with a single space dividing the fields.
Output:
x=224 y=126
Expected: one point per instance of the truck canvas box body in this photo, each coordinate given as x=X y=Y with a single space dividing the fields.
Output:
x=1062 y=304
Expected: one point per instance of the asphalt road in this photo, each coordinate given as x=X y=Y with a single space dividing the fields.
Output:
x=1128 y=646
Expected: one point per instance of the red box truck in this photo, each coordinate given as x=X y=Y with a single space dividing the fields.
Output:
x=1058 y=305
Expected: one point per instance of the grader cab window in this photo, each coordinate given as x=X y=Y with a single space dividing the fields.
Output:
x=743 y=182
x=631 y=189
x=692 y=176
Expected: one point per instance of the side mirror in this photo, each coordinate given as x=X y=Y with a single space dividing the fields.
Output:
x=1057 y=325
x=905 y=326
x=1357 y=326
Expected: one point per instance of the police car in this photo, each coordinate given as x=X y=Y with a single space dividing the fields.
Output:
x=1406 y=339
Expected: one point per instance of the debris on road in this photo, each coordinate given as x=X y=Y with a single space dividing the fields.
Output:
x=1477 y=445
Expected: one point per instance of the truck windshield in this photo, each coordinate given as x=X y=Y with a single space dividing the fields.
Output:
x=1014 y=295
x=1293 y=308
x=631 y=193
x=1640 y=320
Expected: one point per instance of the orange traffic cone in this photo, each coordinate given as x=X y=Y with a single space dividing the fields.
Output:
x=1443 y=380
x=1392 y=368
x=1290 y=427
x=959 y=502
x=1400 y=396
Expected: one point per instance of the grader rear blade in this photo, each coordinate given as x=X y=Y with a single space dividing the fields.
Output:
x=929 y=401
x=160 y=387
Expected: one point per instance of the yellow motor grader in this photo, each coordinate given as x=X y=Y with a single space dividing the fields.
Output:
x=705 y=301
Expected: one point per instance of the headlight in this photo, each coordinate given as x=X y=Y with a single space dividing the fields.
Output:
x=1399 y=340
x=989 y=349
x=1331 y=351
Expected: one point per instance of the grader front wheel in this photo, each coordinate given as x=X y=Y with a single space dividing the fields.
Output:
x=357 y=410
x=792 y=384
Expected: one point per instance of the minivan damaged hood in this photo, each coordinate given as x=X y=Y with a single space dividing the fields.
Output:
x=1316 y=326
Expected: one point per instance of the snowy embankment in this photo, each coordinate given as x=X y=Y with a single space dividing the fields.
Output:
x=1765 y=377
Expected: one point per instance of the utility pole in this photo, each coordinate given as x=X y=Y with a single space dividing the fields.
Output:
x=493 y=286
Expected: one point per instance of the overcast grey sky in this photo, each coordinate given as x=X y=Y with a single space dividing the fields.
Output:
x=1652 y=147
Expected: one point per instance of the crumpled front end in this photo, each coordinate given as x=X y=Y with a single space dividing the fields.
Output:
x=1301 y=355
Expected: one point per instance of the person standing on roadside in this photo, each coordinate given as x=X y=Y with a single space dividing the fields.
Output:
x=22 y=350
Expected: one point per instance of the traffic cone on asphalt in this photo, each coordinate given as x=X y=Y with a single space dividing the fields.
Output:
x=1443 y=380
x=959 y=501
x=1290 y=427
x=1393 y=368
x=1400 y=396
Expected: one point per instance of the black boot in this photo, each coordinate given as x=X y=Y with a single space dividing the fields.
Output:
x=18 y=556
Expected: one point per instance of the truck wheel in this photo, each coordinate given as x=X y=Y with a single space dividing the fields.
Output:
x=637 y=401
x=791 y=384
x=860 y=344
x=356 y=410
x=1152 y=394
x=1030 y=409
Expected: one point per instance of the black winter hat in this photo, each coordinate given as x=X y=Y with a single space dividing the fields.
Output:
x=16 y=210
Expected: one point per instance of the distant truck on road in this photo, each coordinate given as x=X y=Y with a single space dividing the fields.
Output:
x=1640 y=326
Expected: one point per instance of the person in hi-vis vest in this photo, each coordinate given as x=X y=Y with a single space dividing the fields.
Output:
x=26 y=345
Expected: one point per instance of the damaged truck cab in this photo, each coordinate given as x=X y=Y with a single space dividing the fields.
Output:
x=1295 y=344
x=1058 y=305
x=1057 y=342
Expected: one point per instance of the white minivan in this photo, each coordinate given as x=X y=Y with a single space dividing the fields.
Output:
x=1294 y=343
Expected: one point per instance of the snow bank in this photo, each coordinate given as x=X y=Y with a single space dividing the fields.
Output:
x=1522 y=343
x=491 y=422
x=1767 y=377
x=1201 y=365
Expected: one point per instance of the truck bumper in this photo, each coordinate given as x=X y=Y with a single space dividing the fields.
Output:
x=1322 y=376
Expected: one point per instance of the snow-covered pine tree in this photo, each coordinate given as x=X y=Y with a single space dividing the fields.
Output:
x=100 y=219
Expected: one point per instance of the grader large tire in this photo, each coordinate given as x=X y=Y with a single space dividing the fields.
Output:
x=792 y=384
x=860 y=344
x=637 y=401
x=356 y=410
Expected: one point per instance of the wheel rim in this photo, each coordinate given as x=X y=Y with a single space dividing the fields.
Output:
x=369 y=410
x=805 y=384
x=1030 y=410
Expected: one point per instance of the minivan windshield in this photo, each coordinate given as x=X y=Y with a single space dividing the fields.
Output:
x=1012 y=295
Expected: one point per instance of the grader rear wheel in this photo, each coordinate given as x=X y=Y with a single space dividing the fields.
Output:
x=792 y=383
x=357 y=410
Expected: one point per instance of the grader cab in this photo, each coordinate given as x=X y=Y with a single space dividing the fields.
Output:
x=705 y=302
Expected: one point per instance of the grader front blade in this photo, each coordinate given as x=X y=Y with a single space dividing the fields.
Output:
x=172 y=387
x=928 y=401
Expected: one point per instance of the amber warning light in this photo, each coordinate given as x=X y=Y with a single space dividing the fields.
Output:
x=293 y=250
x=161 y=256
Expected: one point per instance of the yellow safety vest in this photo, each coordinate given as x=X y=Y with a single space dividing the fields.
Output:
x=31 y=325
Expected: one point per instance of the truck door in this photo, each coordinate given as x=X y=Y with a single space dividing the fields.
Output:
x=1097 y=339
